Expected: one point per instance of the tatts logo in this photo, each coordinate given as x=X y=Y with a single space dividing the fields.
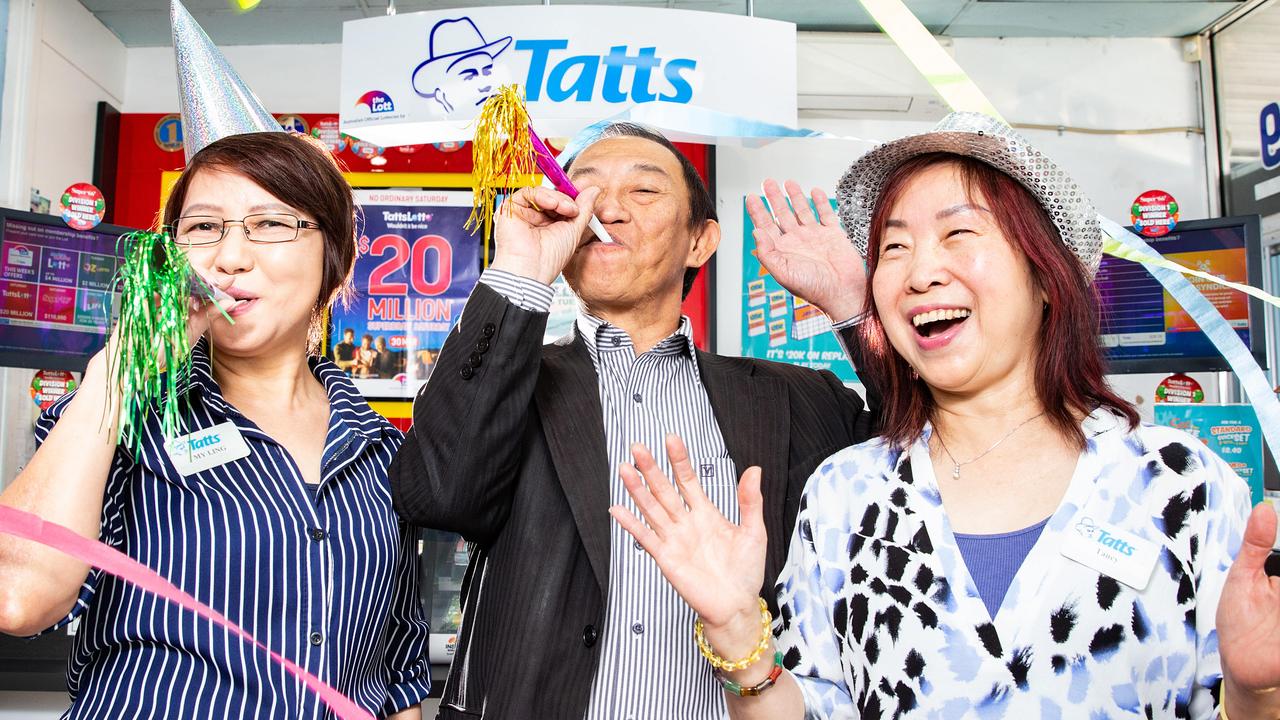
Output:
x=377 y=102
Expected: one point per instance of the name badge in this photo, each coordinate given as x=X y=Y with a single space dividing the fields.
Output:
x=207 y=448
x=1111 y=551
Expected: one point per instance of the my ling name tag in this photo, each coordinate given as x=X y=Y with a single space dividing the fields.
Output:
x=207 y=448
x=1111 y=551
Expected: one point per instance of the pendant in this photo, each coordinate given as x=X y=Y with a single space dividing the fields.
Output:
x=955 y=473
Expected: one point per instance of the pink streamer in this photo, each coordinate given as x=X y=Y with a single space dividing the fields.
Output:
x=108 y=559
x=549 y=167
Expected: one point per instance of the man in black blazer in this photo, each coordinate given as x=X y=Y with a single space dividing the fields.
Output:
x=514 y=443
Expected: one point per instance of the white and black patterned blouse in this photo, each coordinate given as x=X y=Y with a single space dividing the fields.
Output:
x=880 y=617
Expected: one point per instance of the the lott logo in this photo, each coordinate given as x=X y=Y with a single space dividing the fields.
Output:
x=459 y=69
x=377 y=102
x=1090 y=530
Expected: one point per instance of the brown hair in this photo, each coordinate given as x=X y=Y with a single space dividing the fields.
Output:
x=302 y=173
x=1069 y=372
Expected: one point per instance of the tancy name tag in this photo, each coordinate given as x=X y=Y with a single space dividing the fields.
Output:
x=1111 y=551
x=207 y=448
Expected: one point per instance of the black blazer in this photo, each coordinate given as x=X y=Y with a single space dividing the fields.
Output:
x=508 y=450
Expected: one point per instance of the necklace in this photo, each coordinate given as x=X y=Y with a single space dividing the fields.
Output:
x=955 y=471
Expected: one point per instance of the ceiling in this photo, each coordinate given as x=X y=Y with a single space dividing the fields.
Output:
x=140 y=23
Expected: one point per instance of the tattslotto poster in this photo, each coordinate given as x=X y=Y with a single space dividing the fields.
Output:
x=777 y=325
x=416 y=266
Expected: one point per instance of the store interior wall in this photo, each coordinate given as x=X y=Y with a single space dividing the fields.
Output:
x=72 y=62
x=1068 y=81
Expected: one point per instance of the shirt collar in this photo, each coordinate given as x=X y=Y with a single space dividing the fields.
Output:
x=345 y=402
x=600 y=334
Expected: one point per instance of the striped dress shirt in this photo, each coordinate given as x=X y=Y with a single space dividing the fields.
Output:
x=325 y=576
x=649 y=665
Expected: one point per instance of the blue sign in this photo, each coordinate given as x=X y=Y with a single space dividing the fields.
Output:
x=1269 y=123
x=777 y=325
x=1231 y=431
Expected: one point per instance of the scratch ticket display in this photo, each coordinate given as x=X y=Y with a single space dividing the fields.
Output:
x=777 y=333
x=755 y=322
x=778 y=326
x=777 y=303
x=807 y=321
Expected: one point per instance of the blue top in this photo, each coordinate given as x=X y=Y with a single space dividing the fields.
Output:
x=993 y=560
x=331 y=584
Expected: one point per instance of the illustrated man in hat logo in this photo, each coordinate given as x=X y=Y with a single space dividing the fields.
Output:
x=457 y=72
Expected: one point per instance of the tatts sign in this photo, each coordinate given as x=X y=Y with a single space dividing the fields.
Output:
x=421 y=77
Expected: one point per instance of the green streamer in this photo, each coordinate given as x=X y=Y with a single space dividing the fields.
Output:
x=153 y=355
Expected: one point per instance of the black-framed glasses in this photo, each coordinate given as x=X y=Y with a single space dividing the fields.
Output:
x=194 y=230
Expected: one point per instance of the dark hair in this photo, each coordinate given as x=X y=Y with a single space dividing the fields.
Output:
x=701 y=206
x=349 y=331
x=366 y=336
x=1069 y=373
x=302 y=173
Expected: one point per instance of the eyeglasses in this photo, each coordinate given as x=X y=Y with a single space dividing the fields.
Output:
x=194 y=230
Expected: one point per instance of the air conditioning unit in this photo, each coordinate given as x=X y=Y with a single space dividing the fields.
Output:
x=913 y=107
x=861 y=75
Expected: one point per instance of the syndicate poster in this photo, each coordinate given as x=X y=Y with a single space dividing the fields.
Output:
x=415 y=268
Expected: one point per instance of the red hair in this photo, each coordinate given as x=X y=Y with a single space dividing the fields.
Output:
x=1069 y=363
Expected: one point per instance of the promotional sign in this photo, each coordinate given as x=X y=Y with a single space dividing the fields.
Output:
x=1269 y=124
x=327 y=132
x=83 y=206
x=168 y=133
x=1179 y=388
x=1154 y=213
x=421 y=77
x=49 y=385
x=294 y=124
x=1231 y=431
x=777 y=325
x=415 y=268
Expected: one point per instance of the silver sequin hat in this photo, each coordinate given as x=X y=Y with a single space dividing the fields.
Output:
x=215 y=101
x=984 y=138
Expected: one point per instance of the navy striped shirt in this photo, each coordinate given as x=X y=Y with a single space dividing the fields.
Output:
x=327 y=579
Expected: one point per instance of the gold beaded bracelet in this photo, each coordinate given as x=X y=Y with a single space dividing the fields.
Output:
x=719 y=663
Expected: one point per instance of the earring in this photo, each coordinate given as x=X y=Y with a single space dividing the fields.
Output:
x=914 y=375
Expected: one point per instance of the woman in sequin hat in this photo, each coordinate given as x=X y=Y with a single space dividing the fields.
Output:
x=1017 y=544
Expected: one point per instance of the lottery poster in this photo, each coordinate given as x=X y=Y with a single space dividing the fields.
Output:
x=1231 y=431
x=55 y=288
x=777 y=325
x=415 y=268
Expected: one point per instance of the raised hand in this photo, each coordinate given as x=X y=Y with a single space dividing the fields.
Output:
x=539 y=229
x=809 y=256
x=1249 y=624
x=715 y=565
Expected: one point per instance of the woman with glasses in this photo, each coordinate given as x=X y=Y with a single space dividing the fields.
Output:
x=284 y=524
x=1017 y=544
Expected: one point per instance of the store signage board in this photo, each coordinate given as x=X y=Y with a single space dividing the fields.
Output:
x=1230 y=431
x=418 y=78
x=1269 y=125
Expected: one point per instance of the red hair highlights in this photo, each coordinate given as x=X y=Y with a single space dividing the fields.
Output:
x=1069 y=364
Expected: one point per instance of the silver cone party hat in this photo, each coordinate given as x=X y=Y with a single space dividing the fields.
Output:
x=215 y=101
